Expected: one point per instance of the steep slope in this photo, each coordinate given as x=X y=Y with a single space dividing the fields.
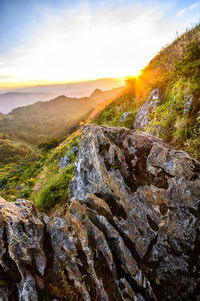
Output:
x=175 y=72
x=131 y=231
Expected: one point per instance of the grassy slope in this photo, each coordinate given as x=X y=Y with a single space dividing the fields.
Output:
x=176 y=71
x=37 y=177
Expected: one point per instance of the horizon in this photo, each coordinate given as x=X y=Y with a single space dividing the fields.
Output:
x=45 y=43
x=15 y=86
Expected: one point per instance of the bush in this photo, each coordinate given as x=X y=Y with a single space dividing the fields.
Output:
x=25 y=193
x=49 y=144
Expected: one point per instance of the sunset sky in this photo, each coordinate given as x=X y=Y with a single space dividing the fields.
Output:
x=53 y=41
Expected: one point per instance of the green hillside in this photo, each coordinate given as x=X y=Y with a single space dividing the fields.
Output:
x=26 y=127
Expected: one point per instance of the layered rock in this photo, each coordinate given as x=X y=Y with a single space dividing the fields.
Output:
x=131 y=231
x=144 y=114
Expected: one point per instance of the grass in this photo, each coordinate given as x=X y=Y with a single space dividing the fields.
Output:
x=177 y=74
x=181 y=129
x=56 y=189
x=41 y=169
x=110 y=116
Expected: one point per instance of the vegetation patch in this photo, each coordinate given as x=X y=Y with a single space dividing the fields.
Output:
x=111 y=115
x=56 y=189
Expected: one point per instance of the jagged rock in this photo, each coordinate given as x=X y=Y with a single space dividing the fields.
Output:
x=65 y=161
x=75 y=150
x=21 y=248
x=143 y=116
x=131 y=231
x=188 y=103
x=152 y=192
x=125 y=117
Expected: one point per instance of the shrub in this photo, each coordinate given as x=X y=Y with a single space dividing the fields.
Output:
x=49 y=144
x=25 y=193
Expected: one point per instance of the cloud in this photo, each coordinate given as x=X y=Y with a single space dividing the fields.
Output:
x=191 y=7
x=85 y=42
x=181 y=12
x=194 y=5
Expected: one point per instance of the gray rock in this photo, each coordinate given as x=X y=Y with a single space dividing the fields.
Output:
x=20 y=187
x=125 y=117
x=131 y=231
x=21 y=247
x=143 y=116
x=75 y=150
x=145 y=197
x=65 y=161
x=188 y=103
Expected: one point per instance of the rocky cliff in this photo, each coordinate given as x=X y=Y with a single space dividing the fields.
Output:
x=130 y=231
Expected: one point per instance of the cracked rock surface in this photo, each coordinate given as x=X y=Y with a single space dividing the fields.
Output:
x=131 y=231
x=143 y=116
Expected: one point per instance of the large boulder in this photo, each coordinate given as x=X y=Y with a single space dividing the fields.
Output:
x=143 y=116
x=145 y=201
x=131 y=231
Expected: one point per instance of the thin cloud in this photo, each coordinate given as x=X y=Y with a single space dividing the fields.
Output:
x=181 y=12
x=194 y=5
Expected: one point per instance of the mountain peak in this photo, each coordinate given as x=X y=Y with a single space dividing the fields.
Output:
x=96 y=92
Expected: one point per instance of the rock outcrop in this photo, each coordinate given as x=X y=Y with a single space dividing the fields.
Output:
x=125 y=117
x=188 y=103
x=65 y=161
x=22 y=258
x=130 y=232
x=143 y=115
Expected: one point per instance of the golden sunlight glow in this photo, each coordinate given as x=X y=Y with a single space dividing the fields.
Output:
x=84 y=44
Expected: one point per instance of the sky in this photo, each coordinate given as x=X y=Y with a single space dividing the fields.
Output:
x=61 y=41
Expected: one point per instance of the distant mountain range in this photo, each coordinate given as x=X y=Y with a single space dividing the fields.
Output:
x=14 y=98
x=35 y=123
